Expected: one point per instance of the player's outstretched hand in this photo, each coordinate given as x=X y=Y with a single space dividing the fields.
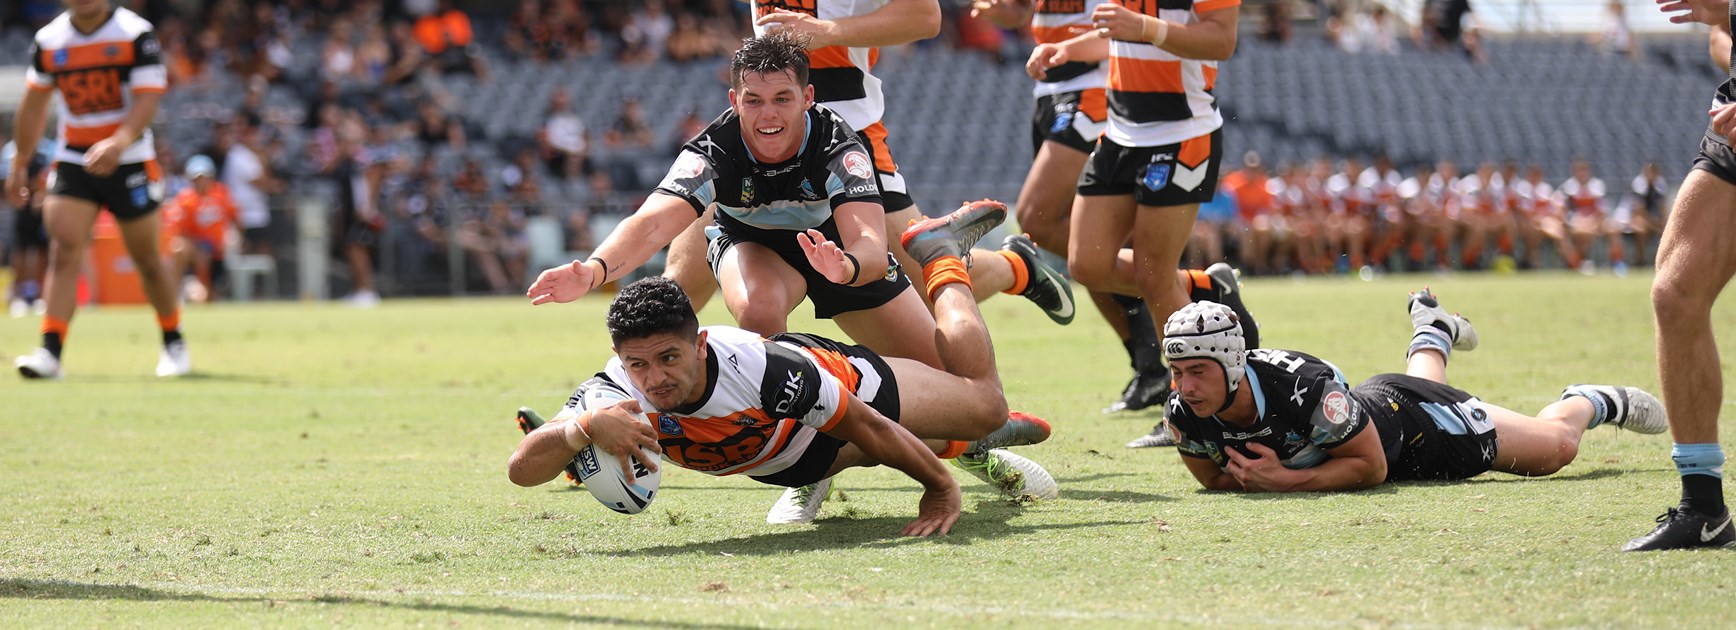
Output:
x=1708 y=12
x=936 y=513
x=826 y=257
x=561 y=284
x=617 y=430
x=1044 y=57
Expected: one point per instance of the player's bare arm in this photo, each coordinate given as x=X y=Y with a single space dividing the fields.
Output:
x=1356 y=464
x=1213 y=38
x=897 y=22
x=1007 y=14
x=652 y=227
x=104 y=156
x=544 y=453
x=890 y=444
x=860 y=257
x=27 y=127
x=1087 y=47
x=1719 y=46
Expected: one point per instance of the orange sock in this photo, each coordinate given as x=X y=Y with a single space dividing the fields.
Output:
x=1021 y=272
x=55 y=325
x=1199 y=279
x=171 y=322
x=942 y=272
x=954 y=448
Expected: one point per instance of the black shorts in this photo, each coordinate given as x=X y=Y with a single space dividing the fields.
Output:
x=830 y=299
x=29 y=233
x=131 y=192
x=1068 y=119
x=1446 y=433
x=893 y=196
x=1716 y=158
x=1170 y=175
x=822 y=451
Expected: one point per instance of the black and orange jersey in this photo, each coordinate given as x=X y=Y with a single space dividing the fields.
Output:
x=842 y=76
x=1157 y=98
x=1056 y=21
x=97 y=74
x=757 y=392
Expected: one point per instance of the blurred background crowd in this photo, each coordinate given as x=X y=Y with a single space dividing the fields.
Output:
x=474 y=143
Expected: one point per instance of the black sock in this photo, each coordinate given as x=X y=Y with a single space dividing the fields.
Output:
x=51 y=343
x=1703 y=494
x=171 y=336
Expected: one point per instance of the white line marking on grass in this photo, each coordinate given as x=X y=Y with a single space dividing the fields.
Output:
x=760 y=605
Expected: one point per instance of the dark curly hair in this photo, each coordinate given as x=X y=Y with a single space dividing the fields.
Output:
x=770 y=54
x=652 y=306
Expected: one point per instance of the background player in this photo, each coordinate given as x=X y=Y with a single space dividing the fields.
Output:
x=1283 y=421
x=106 y=64
x=30 y=240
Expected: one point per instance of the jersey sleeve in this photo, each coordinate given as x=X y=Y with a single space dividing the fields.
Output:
x=796 y=388
x=148 y=73
x=1337 y=417
x=595 y=393
x=850 y=176
x=36 y=75
x=691 y=179
x=1187 y=439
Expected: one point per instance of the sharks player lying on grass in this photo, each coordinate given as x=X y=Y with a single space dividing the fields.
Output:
x=1282 y=421
x=793 y=409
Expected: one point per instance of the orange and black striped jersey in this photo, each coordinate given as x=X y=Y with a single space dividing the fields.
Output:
x=97 y=74
x=841 y=75
x=1056 y=21
x=1155 y=97
x=757 y=391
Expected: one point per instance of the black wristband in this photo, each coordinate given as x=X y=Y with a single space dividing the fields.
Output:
x=605 y=264
x=856 y=268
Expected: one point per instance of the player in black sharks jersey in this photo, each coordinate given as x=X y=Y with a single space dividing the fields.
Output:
x=1281 y=421
x=798 y=211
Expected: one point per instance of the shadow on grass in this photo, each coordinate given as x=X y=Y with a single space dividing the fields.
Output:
x=202 y=377
x=990 y=520
x=62 y=590
x=1078 y=488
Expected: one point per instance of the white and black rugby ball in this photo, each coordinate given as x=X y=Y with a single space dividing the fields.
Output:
x=600 y=473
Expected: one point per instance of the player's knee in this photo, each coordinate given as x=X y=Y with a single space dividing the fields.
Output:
x=1674 y=299
x=1089 y=273
x=761 y=319
x=987 y=415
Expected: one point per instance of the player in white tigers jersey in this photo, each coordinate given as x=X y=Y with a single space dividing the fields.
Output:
x=106 y=65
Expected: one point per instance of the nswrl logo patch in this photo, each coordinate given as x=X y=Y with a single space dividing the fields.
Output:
x=1155 y=177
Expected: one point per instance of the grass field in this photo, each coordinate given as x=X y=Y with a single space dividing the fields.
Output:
x=337 y=467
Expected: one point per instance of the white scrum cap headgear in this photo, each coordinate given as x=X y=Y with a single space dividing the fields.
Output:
x=1208 y=330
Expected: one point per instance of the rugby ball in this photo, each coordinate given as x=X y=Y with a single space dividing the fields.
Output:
x=600 y=473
